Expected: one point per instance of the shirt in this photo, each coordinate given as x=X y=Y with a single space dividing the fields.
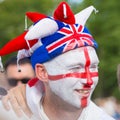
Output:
x=34 y=97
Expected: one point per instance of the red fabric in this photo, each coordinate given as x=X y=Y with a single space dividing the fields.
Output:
x=35 y=16
x=59 y=14
x=16 y=44
x=32 y=82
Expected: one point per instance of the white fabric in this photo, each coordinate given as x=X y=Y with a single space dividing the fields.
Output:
x=41 y=29
x=10 y=115
x=34 y=96
x=83 y=15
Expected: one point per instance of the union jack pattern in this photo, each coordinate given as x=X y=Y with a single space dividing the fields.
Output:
x=71 y=37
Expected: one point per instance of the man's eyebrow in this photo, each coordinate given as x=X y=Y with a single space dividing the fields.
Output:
x=74 y=65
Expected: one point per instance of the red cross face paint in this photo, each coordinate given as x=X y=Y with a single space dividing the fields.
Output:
x=74 y=75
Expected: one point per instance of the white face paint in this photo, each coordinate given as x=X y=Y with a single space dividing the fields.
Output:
x=74 y=75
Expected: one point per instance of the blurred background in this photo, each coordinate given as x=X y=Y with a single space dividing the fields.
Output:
x=104 y=26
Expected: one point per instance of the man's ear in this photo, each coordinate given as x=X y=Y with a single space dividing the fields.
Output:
x=41 y=72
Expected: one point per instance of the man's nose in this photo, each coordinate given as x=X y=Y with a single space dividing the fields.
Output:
x=89 y=80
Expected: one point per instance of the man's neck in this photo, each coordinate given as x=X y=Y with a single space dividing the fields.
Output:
x=58 y=111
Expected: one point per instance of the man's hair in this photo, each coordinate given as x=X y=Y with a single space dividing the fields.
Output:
x=13 y=61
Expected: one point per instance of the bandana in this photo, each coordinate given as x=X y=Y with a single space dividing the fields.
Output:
x=65 y=39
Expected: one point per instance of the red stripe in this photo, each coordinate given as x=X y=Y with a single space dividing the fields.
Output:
x=62 y=41
x=32 y=82
x=64 y=30
x=87 y=57
x=86 y=35
x=70 y=46
x=84 y=102
x=75 y=75
x=88 y=62
x=73 y=29
x=80 y=28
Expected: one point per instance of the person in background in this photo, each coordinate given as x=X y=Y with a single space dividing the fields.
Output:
x=3 y=81
x=15 y=77
x=66 y=66
x=110 y=105
x=9 y=114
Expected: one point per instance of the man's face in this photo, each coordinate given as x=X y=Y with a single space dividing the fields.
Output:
x=74 y=75
x=14 y=77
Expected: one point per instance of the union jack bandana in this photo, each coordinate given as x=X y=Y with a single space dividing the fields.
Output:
x=67 y=38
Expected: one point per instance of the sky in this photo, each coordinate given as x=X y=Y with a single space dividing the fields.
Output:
x=75 y=1
x=1 y=1
x=71 y=1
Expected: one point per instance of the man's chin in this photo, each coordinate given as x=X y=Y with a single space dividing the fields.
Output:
x=85 y=102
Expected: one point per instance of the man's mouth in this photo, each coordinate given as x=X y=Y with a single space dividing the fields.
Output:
x=83 y=92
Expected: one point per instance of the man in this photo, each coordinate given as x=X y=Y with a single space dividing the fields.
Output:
x=66 y=66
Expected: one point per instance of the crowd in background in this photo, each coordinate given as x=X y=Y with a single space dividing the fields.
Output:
x=109 y=104
x=12 y=77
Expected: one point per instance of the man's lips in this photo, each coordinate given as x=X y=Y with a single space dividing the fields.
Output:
x=83 y=92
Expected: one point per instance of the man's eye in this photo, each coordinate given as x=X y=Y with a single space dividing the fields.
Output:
x=94 y=68
x=75 y=69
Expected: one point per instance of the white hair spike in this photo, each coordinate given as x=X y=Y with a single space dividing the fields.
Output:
x=83 y=15
x=26 y=23
x=31 y=51
x=64 y=11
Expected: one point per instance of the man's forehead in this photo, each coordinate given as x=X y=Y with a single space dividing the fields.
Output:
x=77 y=56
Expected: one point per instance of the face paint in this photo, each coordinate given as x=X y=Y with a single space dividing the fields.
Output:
x=74 y=75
